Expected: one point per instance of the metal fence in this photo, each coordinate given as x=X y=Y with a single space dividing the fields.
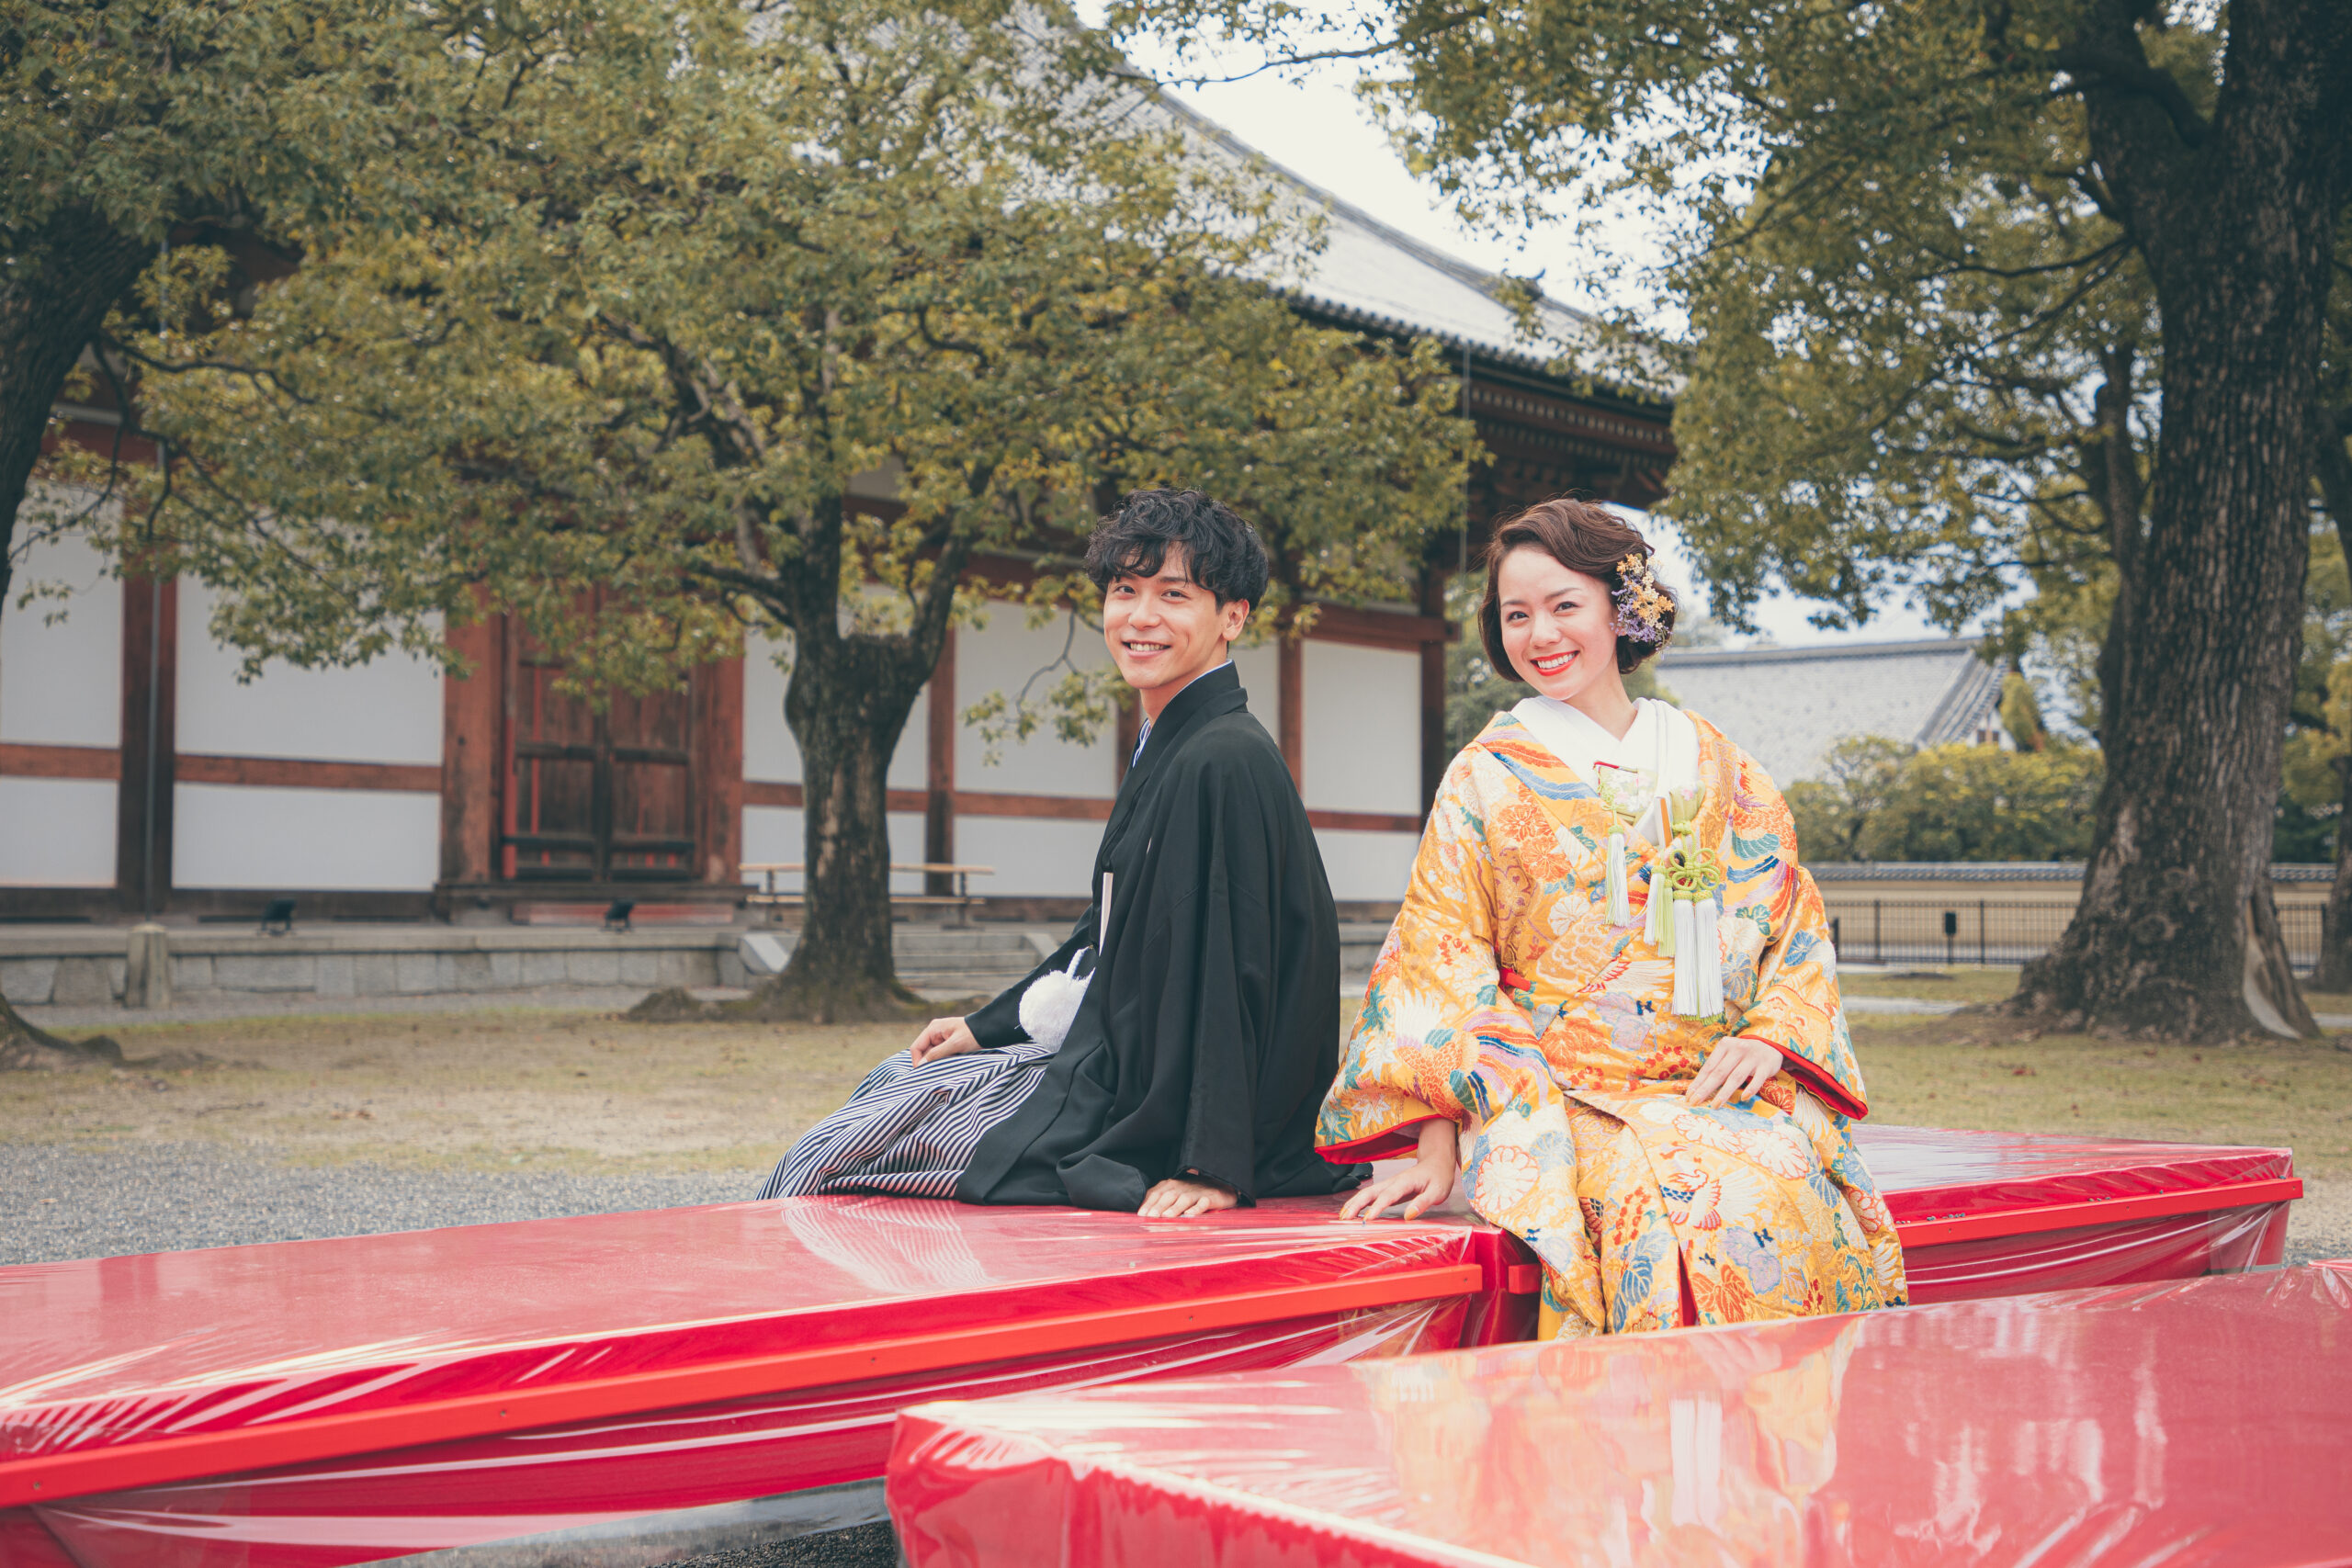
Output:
x=1992 y=930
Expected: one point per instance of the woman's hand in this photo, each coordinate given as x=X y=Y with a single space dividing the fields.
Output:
x=1427 y=1184
x=942 y=1037
x=1180 y=1198
x=1735 y=1069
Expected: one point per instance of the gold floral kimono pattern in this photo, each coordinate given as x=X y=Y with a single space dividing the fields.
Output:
x=1504 y=999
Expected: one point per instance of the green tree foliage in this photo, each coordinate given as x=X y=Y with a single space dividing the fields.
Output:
x=733 y=263
x=1981 y=803
x=238 y=122
x=1972 y=289
x=2021 y=712
x=1832 y=811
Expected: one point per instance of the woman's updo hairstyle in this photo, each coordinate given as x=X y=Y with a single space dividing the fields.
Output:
x=1583 y=537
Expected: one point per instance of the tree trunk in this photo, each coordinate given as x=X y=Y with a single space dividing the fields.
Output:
x=24 y=1047
x=847 y=704
x=65 y=275
x=2235 y=222
x=2332 y=466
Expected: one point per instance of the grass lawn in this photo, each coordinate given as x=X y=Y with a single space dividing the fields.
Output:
x=588 y=1091
x=1965 y=984
x=1968 y=984
x=2294 y=1094
x=493 y=1090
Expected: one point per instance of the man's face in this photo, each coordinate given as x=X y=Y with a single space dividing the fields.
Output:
x=1165 y=628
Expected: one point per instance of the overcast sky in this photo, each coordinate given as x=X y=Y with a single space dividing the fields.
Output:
x=1310 y=123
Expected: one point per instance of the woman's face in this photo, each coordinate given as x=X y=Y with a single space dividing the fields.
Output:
x=1559 y=626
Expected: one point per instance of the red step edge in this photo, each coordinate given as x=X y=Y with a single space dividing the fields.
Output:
x=50 y=1478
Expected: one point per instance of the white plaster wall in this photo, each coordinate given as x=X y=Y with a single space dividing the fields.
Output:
x=251 y=836
x=910 y=761
x=772 y=756
x=61 y=684
x=773 y=835
x=1363 y=731
x=1002 y=657
x=389 y=711
x=1032 y=857
x=1366 y=865
x=56 y=833
x=1260 y=672
x=769 y=751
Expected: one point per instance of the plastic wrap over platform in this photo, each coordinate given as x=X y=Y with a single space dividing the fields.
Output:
x=2001 y=1214
x=2186 y=1425
x=714 y=1376
x=351 y=1400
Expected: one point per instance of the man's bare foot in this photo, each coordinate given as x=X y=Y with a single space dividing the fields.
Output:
x=1177 y=1199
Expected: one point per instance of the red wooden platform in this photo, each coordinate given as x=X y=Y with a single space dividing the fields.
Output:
x=2001 y=1214
x=716 y=1368
x=2191 y=1425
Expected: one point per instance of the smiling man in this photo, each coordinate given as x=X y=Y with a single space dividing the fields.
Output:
x=1191 y=1071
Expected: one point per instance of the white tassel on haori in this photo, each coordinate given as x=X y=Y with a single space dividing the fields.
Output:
x=1709 y=957
x=1050 y=1004
x=1685 y=880
x=1621 y=903
x=1686 y=958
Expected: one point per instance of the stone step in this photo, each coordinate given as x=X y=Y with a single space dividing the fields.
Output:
x=932 y=942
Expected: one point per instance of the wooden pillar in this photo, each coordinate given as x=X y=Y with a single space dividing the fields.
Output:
x=1434 y=760
x=1290 y=666
x=939 y=770
x=470 y=712
x=717 y=694
x=142 y=854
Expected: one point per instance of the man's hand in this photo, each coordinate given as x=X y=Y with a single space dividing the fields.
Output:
x=1180 y=1198
x=942 y=1037
x=1735 y=1069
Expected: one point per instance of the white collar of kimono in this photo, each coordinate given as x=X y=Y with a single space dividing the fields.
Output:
x=1662 y=741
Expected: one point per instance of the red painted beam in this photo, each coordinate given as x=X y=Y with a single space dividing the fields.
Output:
x=2104 y=1211
x=50 y=1478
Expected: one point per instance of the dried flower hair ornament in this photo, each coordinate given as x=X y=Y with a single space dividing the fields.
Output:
x=1641 y=605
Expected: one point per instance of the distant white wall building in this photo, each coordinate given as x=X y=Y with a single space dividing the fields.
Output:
x=1787 y=706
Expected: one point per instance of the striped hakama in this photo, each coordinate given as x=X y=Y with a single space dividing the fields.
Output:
x=909 y=1132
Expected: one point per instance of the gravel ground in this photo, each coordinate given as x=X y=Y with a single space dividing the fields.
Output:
x=2320 y=1225
x=867 y=1546
x=65 y=1203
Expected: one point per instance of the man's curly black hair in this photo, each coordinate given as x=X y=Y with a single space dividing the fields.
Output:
x=1222 y=553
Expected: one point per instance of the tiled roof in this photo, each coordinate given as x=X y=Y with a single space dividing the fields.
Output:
x=1372 y=276
x=1787 y=706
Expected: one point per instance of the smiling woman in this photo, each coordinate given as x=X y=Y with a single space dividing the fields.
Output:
x=1609 y=1001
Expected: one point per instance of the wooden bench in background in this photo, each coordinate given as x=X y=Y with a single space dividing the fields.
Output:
x=962 y=900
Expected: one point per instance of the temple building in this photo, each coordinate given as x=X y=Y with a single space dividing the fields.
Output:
x=139 y=776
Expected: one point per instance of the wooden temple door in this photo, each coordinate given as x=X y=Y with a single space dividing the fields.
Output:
x=594 y=796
